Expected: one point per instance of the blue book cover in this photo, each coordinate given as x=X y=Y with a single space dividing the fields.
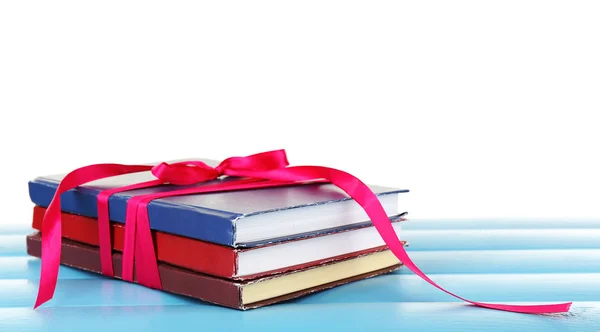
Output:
x=238 y=219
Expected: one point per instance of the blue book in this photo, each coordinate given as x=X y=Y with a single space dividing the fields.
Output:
x=245 y=218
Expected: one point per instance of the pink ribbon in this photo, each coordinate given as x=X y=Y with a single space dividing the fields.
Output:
x=268 y=169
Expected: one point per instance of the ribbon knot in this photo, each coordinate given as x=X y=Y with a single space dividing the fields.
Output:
x=192 y=172
x=185 y=173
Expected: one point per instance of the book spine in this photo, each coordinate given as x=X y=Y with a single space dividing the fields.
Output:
x=180 y=251
x=188 y=221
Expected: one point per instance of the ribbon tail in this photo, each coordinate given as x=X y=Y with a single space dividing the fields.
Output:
x=363 y=195
x=51 y=252
x=367 y=199
x=51 y=223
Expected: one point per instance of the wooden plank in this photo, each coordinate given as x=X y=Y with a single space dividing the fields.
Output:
x=12 y=245
x=502 y=239
x=26 y=267
x=296 y=317
x=20 y=228
x=388 y=288
x=85 y=292
x=432 y=262
x=516 y=223
x=506 y=261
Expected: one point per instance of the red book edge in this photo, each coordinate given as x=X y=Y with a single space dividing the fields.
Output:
x=210 y=258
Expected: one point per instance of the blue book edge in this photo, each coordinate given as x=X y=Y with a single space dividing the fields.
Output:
x=216 y=226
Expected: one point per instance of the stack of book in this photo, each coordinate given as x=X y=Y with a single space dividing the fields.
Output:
x=241 y=249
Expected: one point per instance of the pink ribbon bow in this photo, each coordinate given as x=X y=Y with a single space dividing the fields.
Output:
x=263 y=170
x=191 y=172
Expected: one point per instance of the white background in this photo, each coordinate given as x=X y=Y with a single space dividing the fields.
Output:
x=483 y=109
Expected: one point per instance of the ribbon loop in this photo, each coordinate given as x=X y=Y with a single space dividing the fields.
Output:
x=257 y=162
x=192 y=172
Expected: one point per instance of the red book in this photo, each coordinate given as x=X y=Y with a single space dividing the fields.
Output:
x=228 y=262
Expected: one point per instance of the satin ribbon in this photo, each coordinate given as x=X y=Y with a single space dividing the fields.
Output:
x=262 y=170
x=181 y=173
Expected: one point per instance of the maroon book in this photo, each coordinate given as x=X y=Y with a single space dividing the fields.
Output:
x=237 y=294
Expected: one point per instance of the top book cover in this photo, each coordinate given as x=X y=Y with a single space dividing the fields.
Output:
x=244 y=218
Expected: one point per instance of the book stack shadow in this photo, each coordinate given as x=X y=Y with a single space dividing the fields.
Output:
x=241 y=249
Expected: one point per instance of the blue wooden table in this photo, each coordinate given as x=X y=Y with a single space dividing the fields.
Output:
x=514 y=261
